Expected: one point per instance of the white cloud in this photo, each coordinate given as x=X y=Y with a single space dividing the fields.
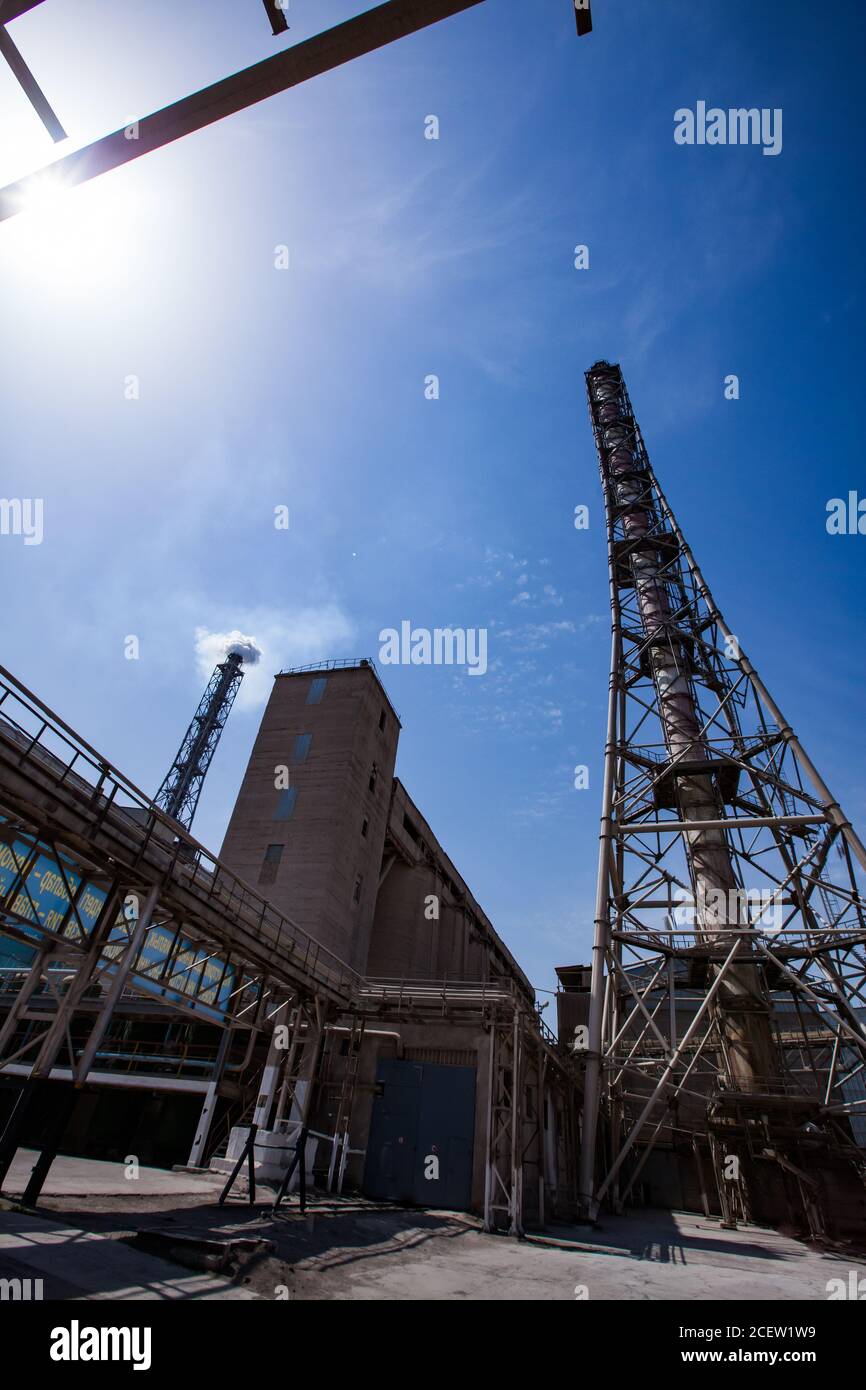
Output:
x=285 y=638
x=536 y=636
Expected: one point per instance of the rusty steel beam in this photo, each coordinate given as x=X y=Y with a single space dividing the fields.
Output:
x=364 y=34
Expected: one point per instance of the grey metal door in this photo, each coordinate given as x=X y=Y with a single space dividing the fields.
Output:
x=421 y=1135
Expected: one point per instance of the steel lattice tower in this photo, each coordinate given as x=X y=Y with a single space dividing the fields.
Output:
x=726 y=1020
x=178 y=796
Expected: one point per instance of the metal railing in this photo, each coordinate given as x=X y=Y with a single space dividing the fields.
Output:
x=341 y=663
x=146 y=845
x=394 y=990
x=34 y=739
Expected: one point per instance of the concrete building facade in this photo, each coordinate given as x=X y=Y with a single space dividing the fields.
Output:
x=309 y=822
x=429 y=1079
x=326 y=830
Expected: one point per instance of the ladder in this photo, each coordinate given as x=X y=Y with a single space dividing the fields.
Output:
x=346 y=1101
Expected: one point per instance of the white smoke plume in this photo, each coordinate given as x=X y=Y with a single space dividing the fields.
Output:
x=213 y=647
x=246 y=647
x=283 y=638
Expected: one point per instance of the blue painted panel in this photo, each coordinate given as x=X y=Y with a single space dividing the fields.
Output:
x=301 y=748
x=45 y=898
x=286 y=804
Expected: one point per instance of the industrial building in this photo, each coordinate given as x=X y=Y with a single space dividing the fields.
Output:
x=322 y=824
x=326 y=1003
x=319 y=1022
x=412 y=1092
x=726 y=988
x=684 y=1170
x=343 y=848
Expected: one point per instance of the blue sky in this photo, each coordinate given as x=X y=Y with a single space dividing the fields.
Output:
x=305 y=387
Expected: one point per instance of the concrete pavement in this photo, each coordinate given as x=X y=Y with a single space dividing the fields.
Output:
x=76 y=1264
x=92 y=1177
x=649 y=1256
x=349 y=1248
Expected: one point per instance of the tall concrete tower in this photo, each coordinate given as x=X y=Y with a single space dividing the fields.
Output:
x=726 y=1018
x=309 y=823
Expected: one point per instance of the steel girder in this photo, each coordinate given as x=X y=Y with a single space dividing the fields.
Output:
x=729 y=964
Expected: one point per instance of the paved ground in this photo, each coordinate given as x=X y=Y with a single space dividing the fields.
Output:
x=354 y=1249
x=77 y=1264
x=90 y=1177
x=655 y=1256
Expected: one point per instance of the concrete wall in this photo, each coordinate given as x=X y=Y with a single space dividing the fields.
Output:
x=322 y=850
x=341 y=829
x=408 y=941
x=392 y=930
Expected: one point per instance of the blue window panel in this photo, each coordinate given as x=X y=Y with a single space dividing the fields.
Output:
x=286 y=804
x=316 y=690
x=301 y=748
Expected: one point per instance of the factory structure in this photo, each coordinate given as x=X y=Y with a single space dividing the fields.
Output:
x=725 y=1030
x=438 y=1084
x=324 y=1006
x=324 y=826
x=320 y=1012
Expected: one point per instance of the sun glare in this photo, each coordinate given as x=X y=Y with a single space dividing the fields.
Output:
x=71 y=240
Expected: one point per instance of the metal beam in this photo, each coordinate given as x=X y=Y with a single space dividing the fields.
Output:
x=13 y=9
x=364 y=34
x=678 y=827
x=30 y=87
x=276 y=14
x=117 y=986
x=583 y=16
x=665 y=1076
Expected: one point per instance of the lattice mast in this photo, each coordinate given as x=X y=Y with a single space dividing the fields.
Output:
x=714 y=890
x=178 y=796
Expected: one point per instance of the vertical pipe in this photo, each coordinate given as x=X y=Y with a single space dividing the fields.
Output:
x=270 y=1075
x=488 y=1167
x=516 y=1126
x=209 y=1104
x=672 y=1003
x=592 y=1076
x=344 y=1158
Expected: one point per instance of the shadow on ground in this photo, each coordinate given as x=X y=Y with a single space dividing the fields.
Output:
x=332 y=1234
